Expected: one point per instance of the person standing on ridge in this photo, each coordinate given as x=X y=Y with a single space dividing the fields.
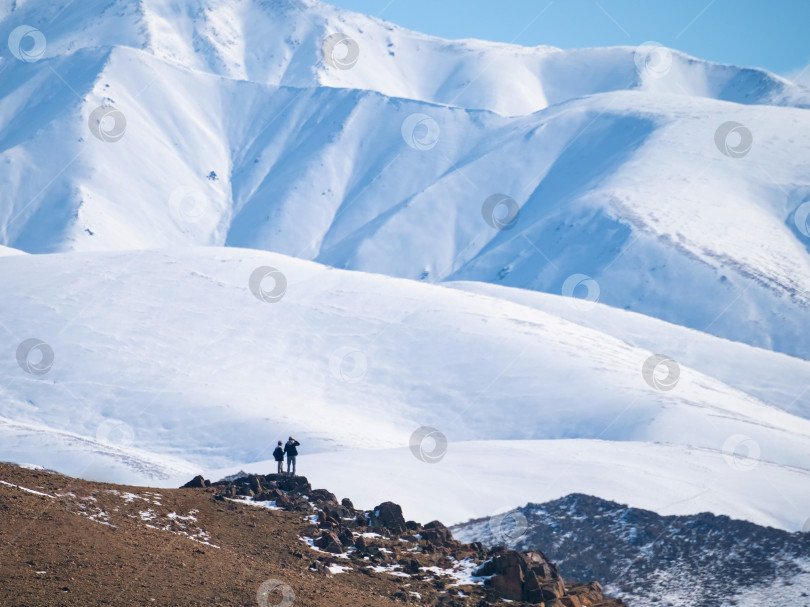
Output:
x=278 y=455
x=291 y=451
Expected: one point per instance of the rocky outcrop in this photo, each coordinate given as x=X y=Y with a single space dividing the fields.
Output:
x=196 y=482
x=527 y=576
x=382 y=537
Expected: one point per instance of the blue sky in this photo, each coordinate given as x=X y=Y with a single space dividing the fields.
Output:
x=772 y=34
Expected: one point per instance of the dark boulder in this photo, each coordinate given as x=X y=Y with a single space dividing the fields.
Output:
x=282 y=501
x=436 y=533
x=525 y=576
x=410 y=566
x=329 y=542
x=346 y=538
x=270 y=495
x=388 y=515
x=298 y=503
x=508 y=574
x=320 y=496
x=195 y=483
x=335 y=511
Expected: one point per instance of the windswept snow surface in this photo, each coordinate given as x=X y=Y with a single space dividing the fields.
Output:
x=171 y=352
x=239 y=133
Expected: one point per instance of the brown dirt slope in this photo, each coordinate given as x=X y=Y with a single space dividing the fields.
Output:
x=65 y=541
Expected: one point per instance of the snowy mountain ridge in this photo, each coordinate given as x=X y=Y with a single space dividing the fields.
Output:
x=282 y=42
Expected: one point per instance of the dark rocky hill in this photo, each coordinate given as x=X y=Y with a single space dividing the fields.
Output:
x=686 y=561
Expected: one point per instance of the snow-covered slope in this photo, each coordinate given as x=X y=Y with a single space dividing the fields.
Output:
x=167 y=357
x=6 y=251
x=614 y=187
x=778 y=379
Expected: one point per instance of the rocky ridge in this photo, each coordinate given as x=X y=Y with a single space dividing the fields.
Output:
x=381 y=540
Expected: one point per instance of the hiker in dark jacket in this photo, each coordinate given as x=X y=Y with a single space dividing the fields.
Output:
x=278 y=455
x=291 y=451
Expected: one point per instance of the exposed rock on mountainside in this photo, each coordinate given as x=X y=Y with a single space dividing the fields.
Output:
x=383 y=541
x=696 y=561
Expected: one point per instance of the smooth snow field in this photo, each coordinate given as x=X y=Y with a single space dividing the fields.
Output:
x=148 y=391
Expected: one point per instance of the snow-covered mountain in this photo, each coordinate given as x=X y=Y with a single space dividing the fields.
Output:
x=234 y=130
x=525 y=229
x=282 y=42
x=151 y=365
